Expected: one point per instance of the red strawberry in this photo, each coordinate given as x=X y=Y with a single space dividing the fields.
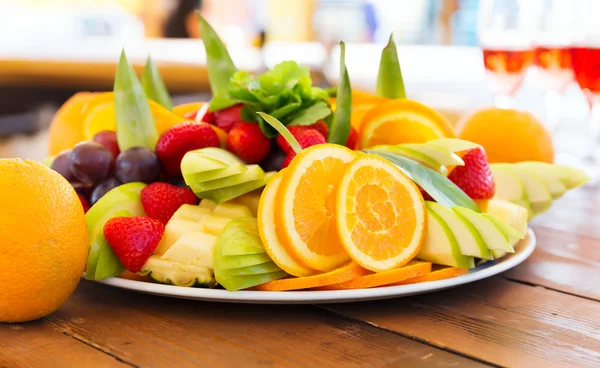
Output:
x=295 y=129
x=84 y=203
x=425 y=195
x=133 y=239
x=161 y=200
x=320 y=127
x=247 y=141
x=352 y=137
x=306 y=138
x=227 y=118
x=475 y=177
x=209 y=117
x=184 y=137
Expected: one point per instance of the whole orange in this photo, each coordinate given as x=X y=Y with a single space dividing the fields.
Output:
x=508 y=135
x=44 y=243
x=66 y=128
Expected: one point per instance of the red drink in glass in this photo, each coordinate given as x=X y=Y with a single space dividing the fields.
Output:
x=506 y=68
x=586 y=66
x=554 y=67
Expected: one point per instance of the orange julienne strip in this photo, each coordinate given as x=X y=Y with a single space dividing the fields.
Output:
x=438 y=273
x=348 y=272
x=410 y=270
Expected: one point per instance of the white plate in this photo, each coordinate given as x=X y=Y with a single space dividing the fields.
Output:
x=523 y=250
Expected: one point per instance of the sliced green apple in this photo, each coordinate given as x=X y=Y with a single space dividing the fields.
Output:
x=468 y=238
x=493 y=237
x=452 y=144
x=253 y=172
x=512 y=235
x=510 y=187
x=225 y=194
x=440 y=245
x=413 y=155
x=510 y=213
x=551 y=176
x=440 y=155
x=536 y=190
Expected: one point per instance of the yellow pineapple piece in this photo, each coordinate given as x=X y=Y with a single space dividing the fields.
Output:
x=232 y=210
x=207 y=203
x=190 y=212
x=173 y=231
x=249 y=200
x=213 y=224
x=193 y=248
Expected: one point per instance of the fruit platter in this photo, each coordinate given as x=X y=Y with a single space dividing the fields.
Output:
x=278 y=191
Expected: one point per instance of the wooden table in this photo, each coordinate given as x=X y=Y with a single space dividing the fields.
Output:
x=544 y=313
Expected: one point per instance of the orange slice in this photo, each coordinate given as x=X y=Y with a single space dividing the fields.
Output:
x=305 y=206
x=438 y=272
x=380 y=214
x=411 y=270
x=65 y=129
x=348 y=272
x=402 y=121
x=187 y=108
x=266 y=229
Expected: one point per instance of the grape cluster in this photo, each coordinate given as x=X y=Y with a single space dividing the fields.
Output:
x=97 y=166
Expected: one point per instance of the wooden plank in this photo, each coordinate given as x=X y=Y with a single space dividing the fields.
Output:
x=162 y=332
x=495 y=320
x=562 y=261
x=40 y=344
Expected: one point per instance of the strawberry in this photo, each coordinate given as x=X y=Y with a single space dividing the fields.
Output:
x=352 y=137
x=227 y=118
x=294 y=129
x=161 y=200
x=247 y=141
x=320 y=127
x=306 y=138
x=183 y=137
x=475 y=177
x=133 y=239
x=84 y=203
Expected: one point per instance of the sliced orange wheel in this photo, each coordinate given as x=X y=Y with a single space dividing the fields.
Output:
x=348 y=272
x=411 y=270
x=438 y=272
x=266 y=228
x=380 y=214
x=403 y=121
x=305 y=206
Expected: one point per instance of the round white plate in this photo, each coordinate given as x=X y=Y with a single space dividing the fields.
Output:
x=522 y=251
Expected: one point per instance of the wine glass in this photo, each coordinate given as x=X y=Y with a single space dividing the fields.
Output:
x=505 y=32
x=552 y=55
x=585 y=59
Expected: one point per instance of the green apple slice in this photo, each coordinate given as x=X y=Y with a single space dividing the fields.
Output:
x=452 y=144
x=191 y=179
x=536 y=190
x=225 y=194
x=440 y=155
x=510 y=213
x=266 y=267
x=468 y=238
x=413 y=155
x=512 y=235
x=233 y=283
x=440 y=246
x=509 y=186
x=493 y=237
x=253 y=172
x=194 y=162
x=498 y=253
x=549 y=174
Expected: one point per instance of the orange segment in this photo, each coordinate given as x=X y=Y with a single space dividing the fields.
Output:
x=438 y=272
x=66 y=128
x=380 y=214
x=305 y=206
x=403 y=121
x=348 y=272
x=187 y=108
x=411 y=270
x=266 y=228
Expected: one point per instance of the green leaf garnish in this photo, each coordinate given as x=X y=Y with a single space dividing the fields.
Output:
x=277 y=125
x=219 y=65
x=389 y=79
x=319 y=110
x=134 y=121
x=435 y=184
x=340 y=127
x=154 y=86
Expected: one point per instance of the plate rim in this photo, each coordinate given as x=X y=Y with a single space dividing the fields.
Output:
x=524 y=249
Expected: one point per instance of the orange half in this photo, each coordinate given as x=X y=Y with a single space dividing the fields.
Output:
x=380 y=214
x=305 y=206
x=268 y=235
x=403 y=121
x=66 y=128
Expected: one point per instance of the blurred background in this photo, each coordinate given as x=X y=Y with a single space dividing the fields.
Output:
x=456 y=55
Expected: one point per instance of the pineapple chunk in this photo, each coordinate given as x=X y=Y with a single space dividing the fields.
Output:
x=178 y=274
x=511 y=213
x=213 y=224
x=232 y=210
x=207 y=203
x=190 y=212
x=249 y=200
x=173 y=231
x=193 y=248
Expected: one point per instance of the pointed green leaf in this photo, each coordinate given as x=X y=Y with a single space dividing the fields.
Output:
x=218 y=62
x=135 y=123
x=282 y=130
x=389 y=79
x=435 y=184
x=317 y=111
x=340 y=127
x=154 y=86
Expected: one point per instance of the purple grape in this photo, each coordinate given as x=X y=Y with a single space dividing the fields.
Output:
x=91 y=162
x=108 y=139
x=62 y=165
x=274 y=161
x=103 y=188
x=137 y=164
